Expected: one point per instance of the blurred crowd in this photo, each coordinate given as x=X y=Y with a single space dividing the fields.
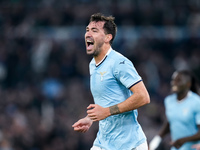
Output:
x=44 y=76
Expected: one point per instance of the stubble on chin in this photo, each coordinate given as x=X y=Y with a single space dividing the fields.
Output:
x=95 y=53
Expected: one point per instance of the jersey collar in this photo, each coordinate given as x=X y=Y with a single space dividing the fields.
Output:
x=104 y=57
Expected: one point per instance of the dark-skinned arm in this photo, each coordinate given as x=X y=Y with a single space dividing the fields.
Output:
x=178 y=143
x=155 y=142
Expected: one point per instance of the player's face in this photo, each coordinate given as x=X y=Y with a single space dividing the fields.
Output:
x=178 y=83
x=94 y=37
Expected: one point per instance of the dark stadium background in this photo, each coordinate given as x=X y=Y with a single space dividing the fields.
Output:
x=44 y=77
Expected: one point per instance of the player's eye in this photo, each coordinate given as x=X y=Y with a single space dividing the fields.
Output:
x=94 y=30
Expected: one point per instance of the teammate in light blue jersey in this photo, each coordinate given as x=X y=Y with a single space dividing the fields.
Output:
x=117 y=90
x=182 y=112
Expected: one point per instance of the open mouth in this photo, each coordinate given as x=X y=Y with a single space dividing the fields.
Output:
x=89 y=43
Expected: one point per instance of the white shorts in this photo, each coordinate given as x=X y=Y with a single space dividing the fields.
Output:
x=142 y=146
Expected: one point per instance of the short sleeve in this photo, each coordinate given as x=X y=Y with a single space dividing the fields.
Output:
x=126 y=73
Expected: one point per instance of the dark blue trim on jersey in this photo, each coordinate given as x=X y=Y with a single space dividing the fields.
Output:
x=134 y=84
x=101 y=61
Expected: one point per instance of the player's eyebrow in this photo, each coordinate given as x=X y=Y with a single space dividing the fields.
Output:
x=93 y=28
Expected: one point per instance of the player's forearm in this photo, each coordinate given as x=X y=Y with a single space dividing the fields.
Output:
x=178 y=143
x=195 y=137
x=155 y=142
x=164 y=130
x=133 y=102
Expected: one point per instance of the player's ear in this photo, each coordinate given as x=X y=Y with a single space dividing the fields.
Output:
x=108 y=37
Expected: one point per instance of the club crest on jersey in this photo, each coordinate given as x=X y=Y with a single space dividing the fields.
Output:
x=102 y=73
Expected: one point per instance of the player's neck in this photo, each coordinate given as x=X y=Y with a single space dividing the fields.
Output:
x=182 y=95
x=101 y=55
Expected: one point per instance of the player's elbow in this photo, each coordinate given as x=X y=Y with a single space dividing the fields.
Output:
x=145 y=98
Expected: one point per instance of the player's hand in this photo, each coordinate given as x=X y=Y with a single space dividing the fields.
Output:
x=82 y=125
x=178 y=143
x=96 y=112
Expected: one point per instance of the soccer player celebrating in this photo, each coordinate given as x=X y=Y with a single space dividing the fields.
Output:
x=117 y=90
x=182 y=112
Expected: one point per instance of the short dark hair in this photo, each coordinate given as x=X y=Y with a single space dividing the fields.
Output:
x=109 y=26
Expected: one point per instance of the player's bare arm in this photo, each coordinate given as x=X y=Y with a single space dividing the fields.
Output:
x=178 y=143
x=114 y=109
x=138 y=99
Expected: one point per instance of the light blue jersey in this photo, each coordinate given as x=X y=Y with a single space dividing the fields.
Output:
x=183 y=117
x=110 y=82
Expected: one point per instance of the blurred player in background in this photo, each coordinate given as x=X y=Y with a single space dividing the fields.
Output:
x=113 y=80
x=182 y=112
